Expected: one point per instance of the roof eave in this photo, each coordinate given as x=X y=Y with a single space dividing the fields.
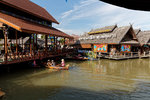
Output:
x=54 y=21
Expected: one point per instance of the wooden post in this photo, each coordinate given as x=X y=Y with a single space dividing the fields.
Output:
x=46 y=43
x=16 y=43
x=144 y=53
x=22 y=47
x=131 y=54
x=30 y=46
x=6 y=48
x=33 y=46
x=36 y=43
x=22 y=44
x=54 y=43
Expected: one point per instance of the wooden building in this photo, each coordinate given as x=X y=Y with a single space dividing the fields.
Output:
x=144 y=39
x=110 y=39
x=22 y=20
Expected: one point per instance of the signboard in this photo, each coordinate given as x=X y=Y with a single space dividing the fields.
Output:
x=126 y=48
x=100 y=48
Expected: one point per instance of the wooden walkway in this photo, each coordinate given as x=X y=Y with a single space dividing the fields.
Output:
x=126 y=57
x=39 y=56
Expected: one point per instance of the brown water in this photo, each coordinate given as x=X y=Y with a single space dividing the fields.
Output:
x=87 y=80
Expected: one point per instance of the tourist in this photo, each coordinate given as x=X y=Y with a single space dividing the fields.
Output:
x=62 y=63
x=53 y=63
x=49 y=63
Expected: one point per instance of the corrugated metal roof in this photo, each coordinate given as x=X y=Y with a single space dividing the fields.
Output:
x=25 y=26
x=30 y=7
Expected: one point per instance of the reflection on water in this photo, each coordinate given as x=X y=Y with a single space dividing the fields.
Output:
x=88 y=80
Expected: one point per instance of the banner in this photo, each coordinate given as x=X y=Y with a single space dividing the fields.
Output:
x=126 y=48
x=100 y=48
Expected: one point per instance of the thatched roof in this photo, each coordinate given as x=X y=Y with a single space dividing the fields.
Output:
x=144 y=37
x=137 y=31
x=106 y=29
x=114 y=37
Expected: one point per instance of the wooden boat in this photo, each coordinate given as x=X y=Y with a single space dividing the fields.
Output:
x=2 y=93
x=58 y=67
x=77 y=58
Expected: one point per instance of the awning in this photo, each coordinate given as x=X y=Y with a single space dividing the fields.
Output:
x=84 y=46
x=30 y=27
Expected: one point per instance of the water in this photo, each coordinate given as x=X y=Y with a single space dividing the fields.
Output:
x=86 y=80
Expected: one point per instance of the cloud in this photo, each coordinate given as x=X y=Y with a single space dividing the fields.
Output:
x=90 y=14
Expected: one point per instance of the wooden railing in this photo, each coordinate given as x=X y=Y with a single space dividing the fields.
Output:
x=131 y=55
x=26 y=56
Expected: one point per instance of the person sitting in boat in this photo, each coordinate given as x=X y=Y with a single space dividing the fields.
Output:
x=53 y=63
x=62 y=63
x=49 y=63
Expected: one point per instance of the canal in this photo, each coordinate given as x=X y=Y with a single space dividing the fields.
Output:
x=86 y=80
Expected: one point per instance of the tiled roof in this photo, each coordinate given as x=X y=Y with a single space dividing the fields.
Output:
x=25 y=26
x=29 y=7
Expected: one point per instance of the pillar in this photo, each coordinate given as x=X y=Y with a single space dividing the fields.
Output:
x=46 y=43
x=30 y=46
x=6 y=48
x=33 y=45
x=36 y=42
x=16 y=42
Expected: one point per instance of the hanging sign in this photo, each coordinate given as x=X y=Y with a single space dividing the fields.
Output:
x=126 y=48
x=100 y=48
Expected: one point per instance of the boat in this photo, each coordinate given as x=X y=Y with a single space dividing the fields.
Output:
x=77 y=58
x=58 y=67
x=2 y=93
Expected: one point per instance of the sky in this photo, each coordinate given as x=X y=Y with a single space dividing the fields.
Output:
x=80 y=16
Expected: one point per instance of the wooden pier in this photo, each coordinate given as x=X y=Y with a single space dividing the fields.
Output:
x=125 y=57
